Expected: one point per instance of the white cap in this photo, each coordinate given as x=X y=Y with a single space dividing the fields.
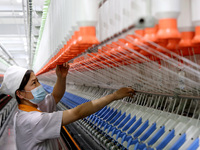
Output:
x=12 y=80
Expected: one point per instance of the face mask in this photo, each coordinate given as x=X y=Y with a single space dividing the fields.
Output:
x=38 y=93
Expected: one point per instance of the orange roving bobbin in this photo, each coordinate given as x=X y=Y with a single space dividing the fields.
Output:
x=138 y=40
x=150 y=35
x=196 y=39
x=173 y=44
x=119 y=51
x=127 y=46
x=74 y=45
x=186 y=39
x=168 y=31
x=87 y=37
x=185 y=43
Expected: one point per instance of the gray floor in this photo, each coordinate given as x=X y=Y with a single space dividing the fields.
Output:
x=7 y=140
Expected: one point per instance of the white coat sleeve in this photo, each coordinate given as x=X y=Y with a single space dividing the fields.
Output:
x=46 y=125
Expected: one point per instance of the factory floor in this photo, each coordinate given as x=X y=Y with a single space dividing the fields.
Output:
x=7 y=140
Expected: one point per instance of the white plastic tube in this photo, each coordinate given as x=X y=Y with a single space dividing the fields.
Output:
x=88 y=10
x=139 y=10
x=166 y=8
x=110 y=18
x=184 y=19
x=103 y=21
x=196 y=12
x=72 y=17
x=68 y=19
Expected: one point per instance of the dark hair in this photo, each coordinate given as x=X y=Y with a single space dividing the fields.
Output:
x=23 y=83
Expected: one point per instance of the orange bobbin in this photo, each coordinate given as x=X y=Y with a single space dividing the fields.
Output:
x=131 y=39
x=196 y=50
x=74 y=46
x=80 y=41
x=186 y=39
x=61 y=58
x=99 y=61
x=87 y=63
x=105 y=54
x=173 y=44
x=138 y=40
x=78 y=62
x=150 y=35
x=101 y=55
x=135 y=41
x=127 y=48
x=185 y=43
x=110 y=57
x=196 y=39
x=52 y=65
x=119 y=51
x=163 y=43
x=168 y=29
x=92 y=60
x=96 y=57
x=109 y=51
x=127 y=59
x=87 y=37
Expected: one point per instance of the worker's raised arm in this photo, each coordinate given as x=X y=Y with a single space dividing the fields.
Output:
x=93 y=106
x=60 y=86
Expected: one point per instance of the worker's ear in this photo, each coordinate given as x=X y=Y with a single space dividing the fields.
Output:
x=20 y=94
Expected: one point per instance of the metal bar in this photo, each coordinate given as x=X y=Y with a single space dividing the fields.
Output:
x=8 y=54
x=29 y=24
x=170 y=95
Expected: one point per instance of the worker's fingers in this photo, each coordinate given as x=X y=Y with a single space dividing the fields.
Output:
x=130 y=95
x=65 y=64
x=130 y=90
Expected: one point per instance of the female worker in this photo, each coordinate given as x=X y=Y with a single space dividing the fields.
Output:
x=37 y=124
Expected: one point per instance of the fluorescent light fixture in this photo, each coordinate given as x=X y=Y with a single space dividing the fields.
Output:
x=19 y=1
x=24 y=40
x=21 y=13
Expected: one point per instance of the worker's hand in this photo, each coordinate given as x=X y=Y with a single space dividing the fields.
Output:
x=62 y=70
x=123 y=92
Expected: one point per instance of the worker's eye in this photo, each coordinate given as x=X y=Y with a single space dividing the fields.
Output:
x=33 y=83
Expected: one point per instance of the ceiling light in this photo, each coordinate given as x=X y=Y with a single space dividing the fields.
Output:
x=24 y=40
x=21 y=13
x=19 y=1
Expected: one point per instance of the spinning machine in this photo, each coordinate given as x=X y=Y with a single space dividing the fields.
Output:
x=151 y=45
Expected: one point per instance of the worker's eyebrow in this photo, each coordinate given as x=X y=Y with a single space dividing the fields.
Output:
x=35 y=79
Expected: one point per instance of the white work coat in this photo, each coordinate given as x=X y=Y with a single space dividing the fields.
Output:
x=38 y=130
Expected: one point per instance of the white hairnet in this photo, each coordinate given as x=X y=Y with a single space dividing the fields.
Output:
x=12 y=80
